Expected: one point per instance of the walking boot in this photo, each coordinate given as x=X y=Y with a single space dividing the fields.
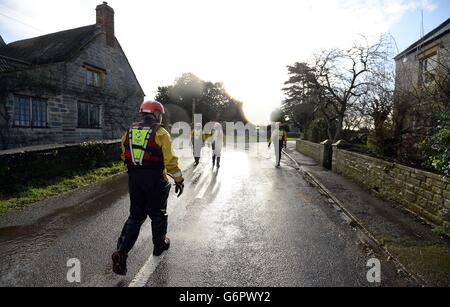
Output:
x=160 y=248
x=120 y=263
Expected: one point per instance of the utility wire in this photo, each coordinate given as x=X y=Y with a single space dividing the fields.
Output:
x=23 y=23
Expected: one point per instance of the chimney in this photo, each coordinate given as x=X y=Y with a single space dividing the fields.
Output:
x=2 y=42
x=105 y=19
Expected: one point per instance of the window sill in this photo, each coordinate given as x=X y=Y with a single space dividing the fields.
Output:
x=89 y=129
x=29 y=127
x=93 y=87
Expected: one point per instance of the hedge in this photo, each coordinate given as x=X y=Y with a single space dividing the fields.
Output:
x=33 y=165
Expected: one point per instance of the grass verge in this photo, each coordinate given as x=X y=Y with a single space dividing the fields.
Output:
x=36 y=191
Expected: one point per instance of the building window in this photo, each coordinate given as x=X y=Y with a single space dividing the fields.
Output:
x=94 y=77
x=39 y=113
x=88 y=115
x=30 y=112
x=428 y=69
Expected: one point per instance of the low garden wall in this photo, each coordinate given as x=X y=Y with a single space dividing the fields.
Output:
x=319 y=152
x=426 y=194
x=309 y=149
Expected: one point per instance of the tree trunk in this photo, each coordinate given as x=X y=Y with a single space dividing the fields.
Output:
x=330 y=133
x=379 y=121
x=338 y=134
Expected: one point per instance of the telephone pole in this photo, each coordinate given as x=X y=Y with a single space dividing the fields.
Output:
x=422 y=28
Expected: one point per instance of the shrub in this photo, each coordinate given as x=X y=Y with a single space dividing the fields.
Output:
x=436 y=149
x=317 y=131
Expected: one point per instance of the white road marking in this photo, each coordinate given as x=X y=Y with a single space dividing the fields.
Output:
x=142 y=277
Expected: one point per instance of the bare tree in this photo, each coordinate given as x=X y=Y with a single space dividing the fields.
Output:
x=378 y=101
x=342 y=79
x=336 y=83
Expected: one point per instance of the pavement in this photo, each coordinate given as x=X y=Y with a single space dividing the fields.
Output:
x=247 y=224
x=408 y=240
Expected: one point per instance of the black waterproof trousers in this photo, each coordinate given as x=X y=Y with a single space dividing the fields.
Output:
x=148 y=197
x=280 y=150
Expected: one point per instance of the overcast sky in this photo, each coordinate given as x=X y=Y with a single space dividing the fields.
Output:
x=246 y=44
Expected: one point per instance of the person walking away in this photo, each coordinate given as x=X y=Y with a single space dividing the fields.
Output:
x=147 y=153
x=217 y=144
x=197 y=139
x=279 y=138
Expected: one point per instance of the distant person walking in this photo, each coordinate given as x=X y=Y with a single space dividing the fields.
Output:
x=279 y=138
x=217 y=144
x=197 y=139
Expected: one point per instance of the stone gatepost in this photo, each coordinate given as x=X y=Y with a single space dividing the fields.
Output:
x=325 y=155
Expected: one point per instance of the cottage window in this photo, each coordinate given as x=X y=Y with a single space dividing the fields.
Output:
x=94 y=77
x=88 y=115
x=39 y=113
x=30 y=112
x=428 y=69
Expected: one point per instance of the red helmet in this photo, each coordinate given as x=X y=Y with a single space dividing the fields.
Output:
x=149 y=107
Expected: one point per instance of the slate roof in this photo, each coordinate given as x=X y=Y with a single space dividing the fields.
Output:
x=8 y=64
x=51 y=48
x=435 y=34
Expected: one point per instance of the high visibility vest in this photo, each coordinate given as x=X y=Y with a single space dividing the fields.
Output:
x=280 y=134
x=197 y=134
x=217 y=133
x=141 y=150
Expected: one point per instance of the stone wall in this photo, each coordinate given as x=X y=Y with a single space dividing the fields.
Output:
x=424 y=193
x=309 y=149
x=319 y=152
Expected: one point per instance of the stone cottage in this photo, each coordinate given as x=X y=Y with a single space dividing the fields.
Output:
x=67 y=87
x=423 y=81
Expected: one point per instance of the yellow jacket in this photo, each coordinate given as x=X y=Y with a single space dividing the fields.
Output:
x=193 y=133
x=163 y=140
x=282 y=136
x=214 y=135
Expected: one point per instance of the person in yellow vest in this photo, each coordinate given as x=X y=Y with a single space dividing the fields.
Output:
x=217 y=144
x=197 y=139
x=147 y=153
x=279 y=138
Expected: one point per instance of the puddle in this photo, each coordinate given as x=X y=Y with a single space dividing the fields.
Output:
x=23 y=243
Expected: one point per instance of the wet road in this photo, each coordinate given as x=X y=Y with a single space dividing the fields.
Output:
x=248 y=224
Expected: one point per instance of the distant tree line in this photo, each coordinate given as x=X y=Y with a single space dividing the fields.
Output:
x=208 y=98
